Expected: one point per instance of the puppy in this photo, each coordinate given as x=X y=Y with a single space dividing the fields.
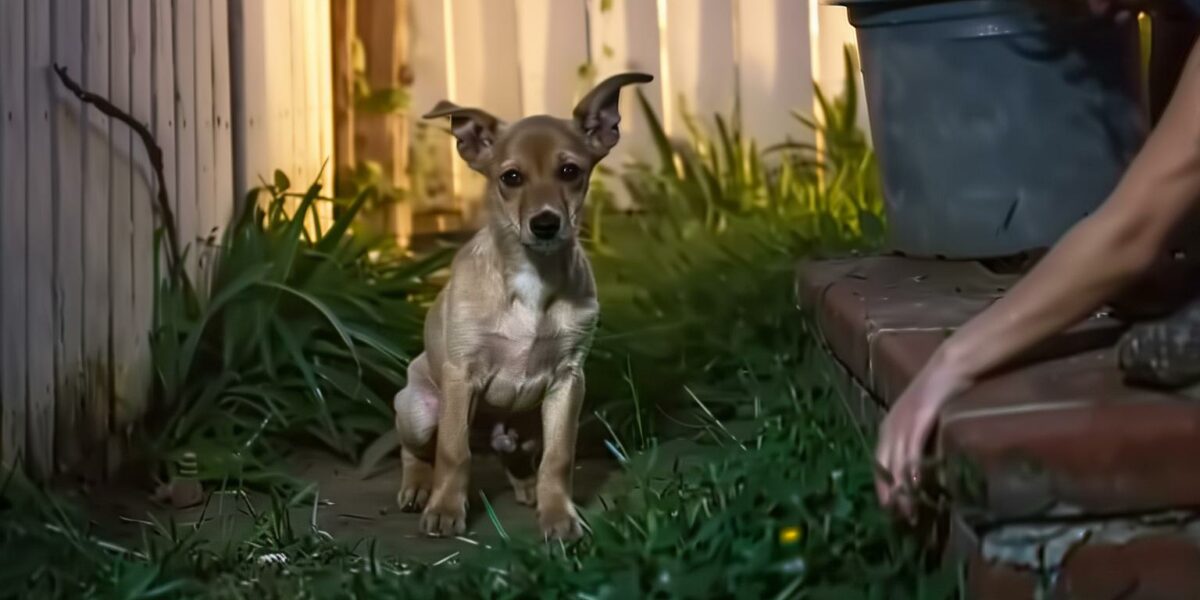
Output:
x=510 y=331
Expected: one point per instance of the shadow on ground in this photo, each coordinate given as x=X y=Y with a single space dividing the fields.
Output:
x=350 y=508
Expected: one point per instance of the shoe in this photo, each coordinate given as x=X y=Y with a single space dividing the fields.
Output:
x=1164 y=353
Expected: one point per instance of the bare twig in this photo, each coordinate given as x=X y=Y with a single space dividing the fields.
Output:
x=165 y=216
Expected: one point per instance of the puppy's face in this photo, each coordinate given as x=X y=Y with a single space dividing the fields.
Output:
x=539 y=179
x=538 y=168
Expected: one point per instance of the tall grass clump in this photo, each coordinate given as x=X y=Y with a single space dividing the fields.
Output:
x=302 y=334
x=705 y=265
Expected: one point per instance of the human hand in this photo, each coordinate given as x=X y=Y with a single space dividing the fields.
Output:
x=905 y=430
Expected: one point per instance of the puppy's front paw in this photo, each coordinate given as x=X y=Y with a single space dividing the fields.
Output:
x=444 y=518
x=413 y=498
x=559 y=521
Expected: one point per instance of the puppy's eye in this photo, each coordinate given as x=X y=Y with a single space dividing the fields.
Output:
x=569 y=172
x=512 y=178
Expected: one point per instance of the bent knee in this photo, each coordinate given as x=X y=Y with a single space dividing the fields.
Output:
x=416 y=416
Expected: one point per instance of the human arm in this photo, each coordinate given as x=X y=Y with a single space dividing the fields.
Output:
x=1092 y=262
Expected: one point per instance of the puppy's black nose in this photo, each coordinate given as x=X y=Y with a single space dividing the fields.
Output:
x=545 y=225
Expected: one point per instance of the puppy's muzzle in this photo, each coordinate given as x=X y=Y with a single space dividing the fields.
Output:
x=545 y=225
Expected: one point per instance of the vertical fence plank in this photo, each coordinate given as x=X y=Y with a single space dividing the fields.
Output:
x=120 y=219
x=164 y=95
x=297 y=100
x=834 y=33
x=485 y=69
x=325 y=86
x=96 y=287
x=321 y=90
x=343 y=26
x=433 y=151
x=68 y=233
x=774 y=69
x=14 y=366
x=383 y=138
x=624 y=36
x=552 y=41
x=223 y=194
x=313 y=82
x=251 y=137
x=701 y=70
x=279 y=90
x=39 y=212
x=141 y=46
x=206 y=176
x=186 y=175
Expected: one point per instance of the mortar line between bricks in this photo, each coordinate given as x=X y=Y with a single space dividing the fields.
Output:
x=1037 y=407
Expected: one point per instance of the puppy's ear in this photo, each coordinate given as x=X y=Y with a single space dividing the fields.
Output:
x=598 y=113
x=475 y=130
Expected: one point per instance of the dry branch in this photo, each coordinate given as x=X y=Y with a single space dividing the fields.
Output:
x=165 y=215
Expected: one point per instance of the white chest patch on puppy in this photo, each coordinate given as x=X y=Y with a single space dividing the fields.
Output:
x=528 y=287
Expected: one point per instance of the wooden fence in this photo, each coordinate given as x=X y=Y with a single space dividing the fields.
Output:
x=231 y=89
x=754 y=58
x=234 y=89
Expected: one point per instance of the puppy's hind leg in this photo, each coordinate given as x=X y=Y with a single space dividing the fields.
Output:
x=519 y=448
x=416 y=422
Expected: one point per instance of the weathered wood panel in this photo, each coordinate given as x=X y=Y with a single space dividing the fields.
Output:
x=97 y=181
x=39 y=231
x=68 y=138
x=624 y=36
x=431 y=55
x=343 y=26
x=486 y=72
x=206 y=174
x=325 y=85
x=13 y=314
x=141 y=49
x=701 y=70
x=383 y=138
x=186 y=149
x=223 y=198
x=77 y=222
x=164 y=94
x=833 y=34
x=552 y=40
x=774 y=69
x=120 y=216
x=297 y=101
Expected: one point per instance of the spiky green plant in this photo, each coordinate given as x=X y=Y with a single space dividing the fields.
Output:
x=300 y=334
x=717 y=215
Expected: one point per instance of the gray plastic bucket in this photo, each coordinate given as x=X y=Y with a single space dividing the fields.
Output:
x=996 y=129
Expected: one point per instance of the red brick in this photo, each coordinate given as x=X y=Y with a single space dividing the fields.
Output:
x=1064 y=432
x=992 y=581
x=1156 y=568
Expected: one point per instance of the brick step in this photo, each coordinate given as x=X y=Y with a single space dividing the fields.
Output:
x=1058 y=439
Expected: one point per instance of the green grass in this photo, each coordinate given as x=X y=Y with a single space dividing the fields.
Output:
x=708 y=525
x=301 y=336
x=719 y=216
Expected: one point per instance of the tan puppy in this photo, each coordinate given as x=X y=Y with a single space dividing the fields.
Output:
x=512 y=327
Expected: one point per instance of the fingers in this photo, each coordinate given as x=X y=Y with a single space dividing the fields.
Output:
x=898 y=456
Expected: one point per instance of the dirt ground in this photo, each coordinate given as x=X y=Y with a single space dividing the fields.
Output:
x=350 y=508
